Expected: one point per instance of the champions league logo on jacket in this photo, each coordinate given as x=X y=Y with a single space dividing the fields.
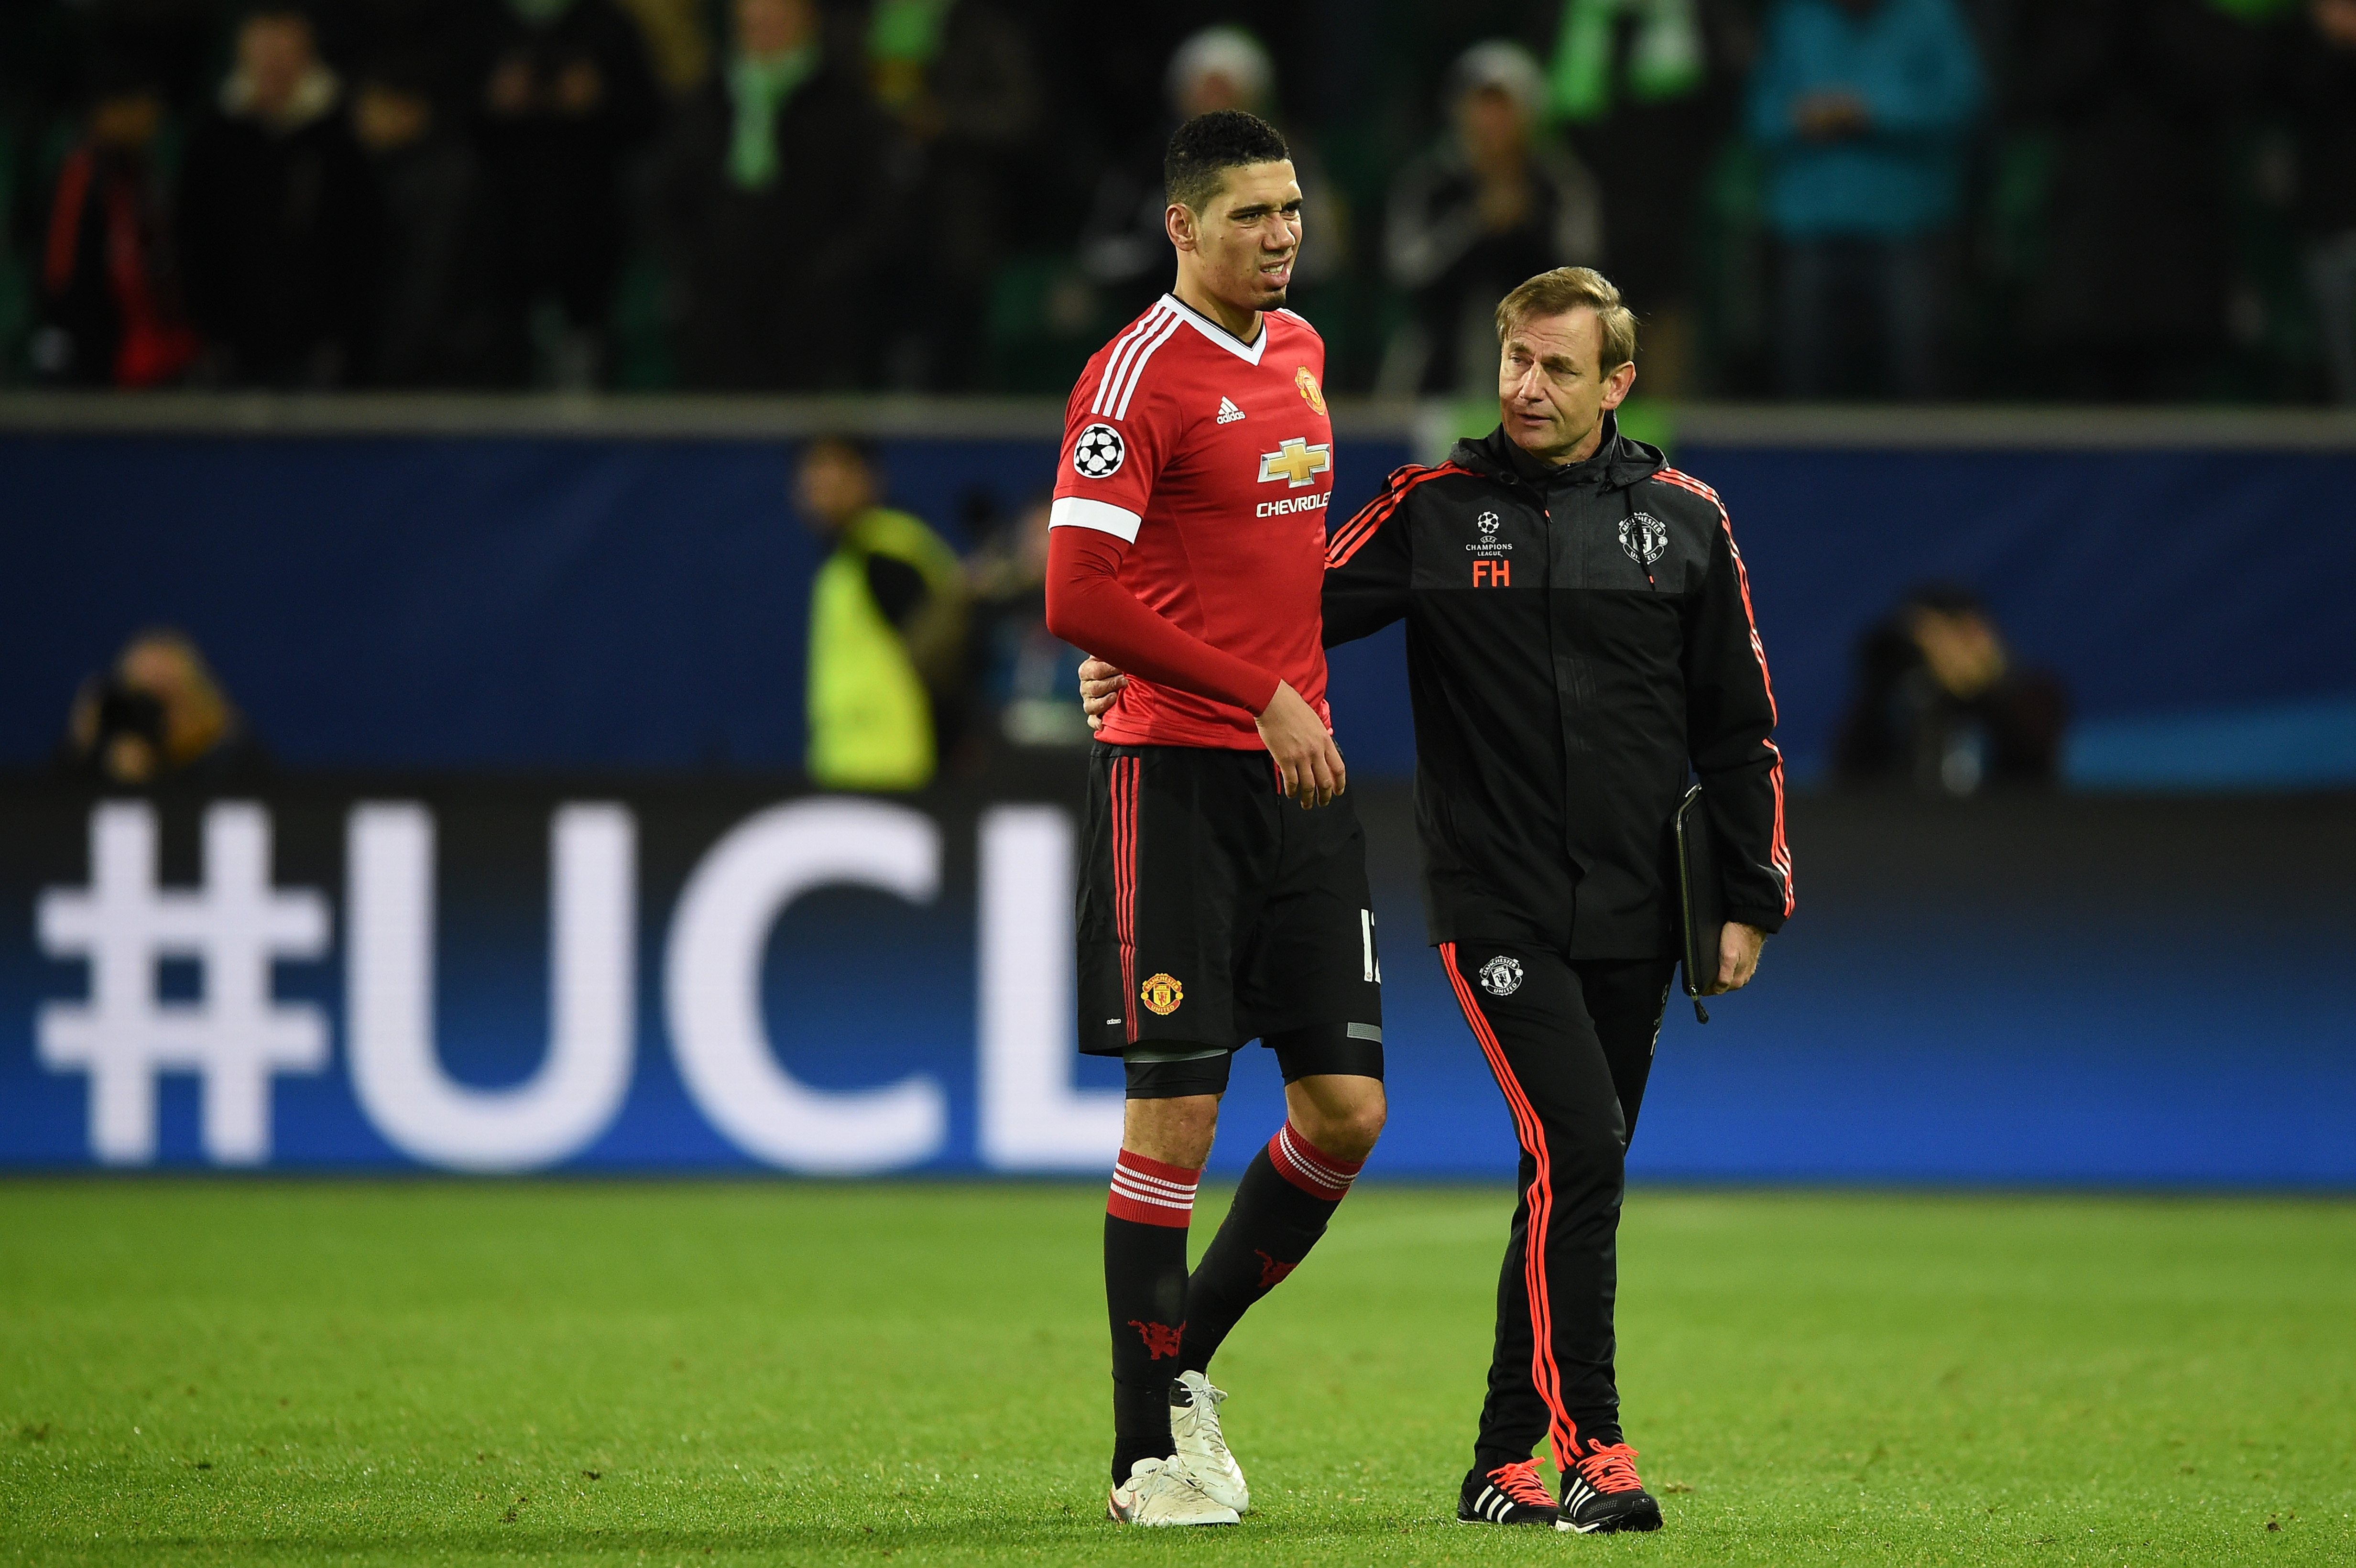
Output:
x=1644 y=537
x=1488 y=544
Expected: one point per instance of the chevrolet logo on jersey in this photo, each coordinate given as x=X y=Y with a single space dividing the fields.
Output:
x=1295 y=462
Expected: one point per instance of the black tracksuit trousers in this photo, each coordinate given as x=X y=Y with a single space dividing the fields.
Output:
x=1570 y=1043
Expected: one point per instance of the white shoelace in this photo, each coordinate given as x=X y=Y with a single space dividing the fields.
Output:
x=1206 y=1422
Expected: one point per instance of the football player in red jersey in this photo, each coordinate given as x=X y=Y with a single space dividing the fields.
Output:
x=1187 y=547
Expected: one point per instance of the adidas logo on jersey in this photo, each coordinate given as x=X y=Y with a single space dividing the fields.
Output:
x=1229 y=412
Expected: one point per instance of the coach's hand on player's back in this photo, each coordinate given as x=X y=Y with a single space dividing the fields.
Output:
x=1302 y=747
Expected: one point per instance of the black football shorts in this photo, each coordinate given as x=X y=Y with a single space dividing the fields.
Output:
x=1214 y=912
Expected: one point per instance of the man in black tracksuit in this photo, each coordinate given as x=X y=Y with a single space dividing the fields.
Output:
x=1579 y=631
x=1579 y=636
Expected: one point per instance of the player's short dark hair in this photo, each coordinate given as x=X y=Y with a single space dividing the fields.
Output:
x=1205 y=147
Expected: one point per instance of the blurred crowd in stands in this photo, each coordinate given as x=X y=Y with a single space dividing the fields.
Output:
x=2097 y=199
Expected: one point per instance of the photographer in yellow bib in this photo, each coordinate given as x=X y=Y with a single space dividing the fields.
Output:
x=887 y=630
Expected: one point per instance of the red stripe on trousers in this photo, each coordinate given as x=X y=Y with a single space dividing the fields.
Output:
x=1124 y=873
x=1544 y=1373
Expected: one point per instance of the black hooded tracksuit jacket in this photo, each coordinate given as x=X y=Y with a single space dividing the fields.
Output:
x=1575 y=636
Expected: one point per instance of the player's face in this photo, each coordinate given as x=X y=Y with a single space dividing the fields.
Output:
x=1248 y=237
x=1551 y=392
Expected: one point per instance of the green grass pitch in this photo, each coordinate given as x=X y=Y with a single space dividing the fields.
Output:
x=439 y=1372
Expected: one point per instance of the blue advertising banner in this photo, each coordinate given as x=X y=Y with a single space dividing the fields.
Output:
x=712 y=975
x=508 y=602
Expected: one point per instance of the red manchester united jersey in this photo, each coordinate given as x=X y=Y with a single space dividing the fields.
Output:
x=1214 y=458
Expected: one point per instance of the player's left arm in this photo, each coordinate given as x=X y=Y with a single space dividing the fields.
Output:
x=1114 y=449
x=1731 y=725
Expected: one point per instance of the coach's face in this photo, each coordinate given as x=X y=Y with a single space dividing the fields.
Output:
x=1246 y=238
x=1551 y=390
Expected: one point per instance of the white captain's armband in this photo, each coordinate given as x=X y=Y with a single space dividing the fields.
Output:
x=1079 y=512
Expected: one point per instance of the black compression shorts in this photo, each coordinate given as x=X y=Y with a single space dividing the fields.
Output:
x=1300 y=1053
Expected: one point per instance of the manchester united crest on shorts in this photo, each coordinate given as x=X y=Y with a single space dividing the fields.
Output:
x=1162 y=995
x=1644 y=537
x=1501 y=976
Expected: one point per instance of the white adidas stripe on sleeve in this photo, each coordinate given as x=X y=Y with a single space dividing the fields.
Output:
x=1136 y=371
x=1117 y=362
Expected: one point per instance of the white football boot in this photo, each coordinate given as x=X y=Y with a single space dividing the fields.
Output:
x=1162 y=1491
x=1194 y=1426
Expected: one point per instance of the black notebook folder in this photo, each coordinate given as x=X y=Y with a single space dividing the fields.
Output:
x=1701 y=897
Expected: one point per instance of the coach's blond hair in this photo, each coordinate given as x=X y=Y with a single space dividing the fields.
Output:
x=1566 y=289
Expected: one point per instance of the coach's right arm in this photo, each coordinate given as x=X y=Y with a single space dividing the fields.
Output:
x=1367 y=567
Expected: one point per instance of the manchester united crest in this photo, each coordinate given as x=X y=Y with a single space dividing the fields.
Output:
x=1162 y=995
x=1644 y=537
x=1501 y=976
x=1310 y=392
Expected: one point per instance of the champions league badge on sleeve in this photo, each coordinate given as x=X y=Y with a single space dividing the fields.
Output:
x=1098 y=454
